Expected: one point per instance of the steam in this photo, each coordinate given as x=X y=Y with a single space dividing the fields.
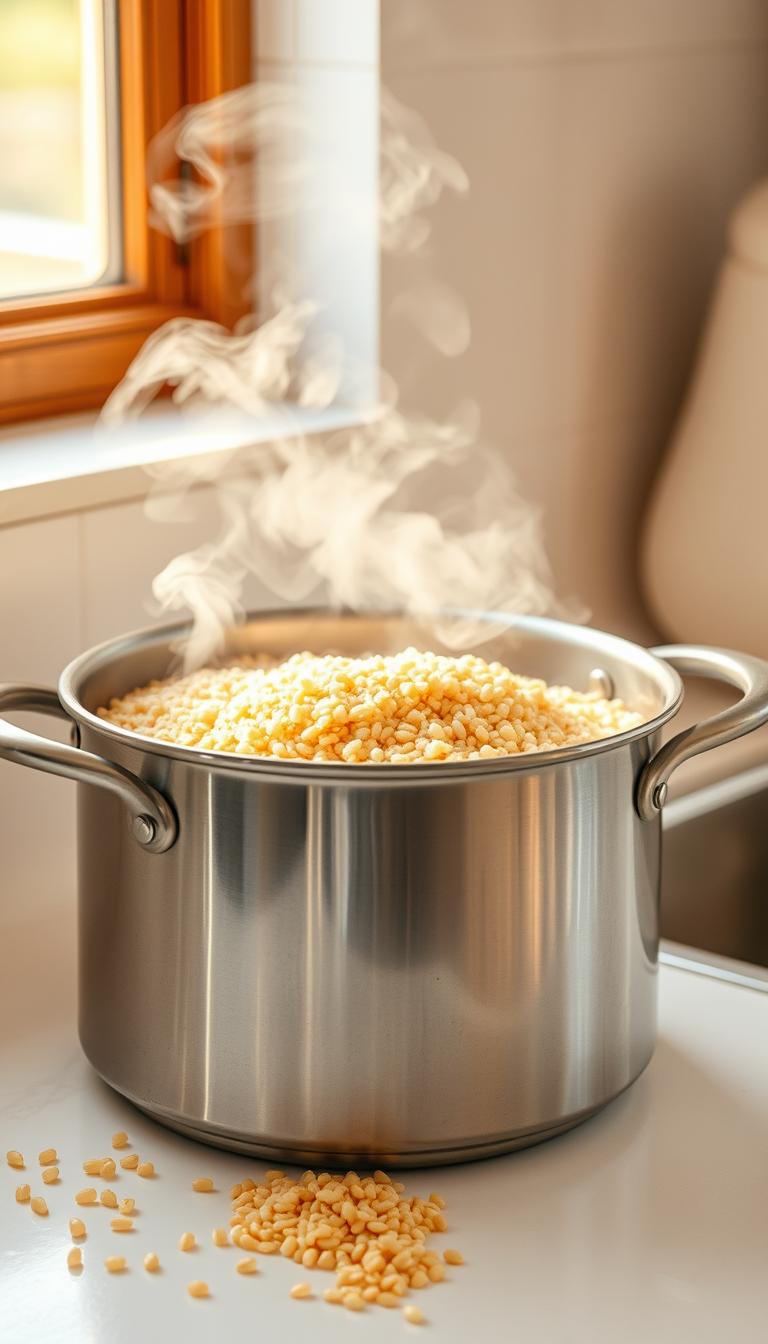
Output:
x=398 y=512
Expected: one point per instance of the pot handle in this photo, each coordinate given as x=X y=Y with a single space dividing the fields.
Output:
x=153 y=823
x=737 y=669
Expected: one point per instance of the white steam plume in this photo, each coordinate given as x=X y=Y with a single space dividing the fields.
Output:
x=399 y=512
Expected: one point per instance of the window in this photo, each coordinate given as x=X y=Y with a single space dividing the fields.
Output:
x=84 y=86
x=59 y=207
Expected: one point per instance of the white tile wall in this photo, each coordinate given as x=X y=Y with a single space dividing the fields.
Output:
x=40 y=630
x=124 y=548
x=460 y=32
x=585 y=251
x=333 y=31
x=318 y=32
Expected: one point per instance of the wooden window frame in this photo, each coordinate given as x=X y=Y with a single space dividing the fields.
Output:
x=66 y=352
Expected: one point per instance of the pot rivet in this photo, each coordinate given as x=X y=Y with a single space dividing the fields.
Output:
x=660 y=795
x=144 y=830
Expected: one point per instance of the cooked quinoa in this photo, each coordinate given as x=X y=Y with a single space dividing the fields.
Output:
x=404 y=707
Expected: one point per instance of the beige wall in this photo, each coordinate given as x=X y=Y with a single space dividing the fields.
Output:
x=605 y=145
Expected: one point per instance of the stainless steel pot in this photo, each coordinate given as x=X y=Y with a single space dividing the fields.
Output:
x=397 y=964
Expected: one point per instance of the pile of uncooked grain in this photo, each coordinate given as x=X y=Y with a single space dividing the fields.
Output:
x=401 y=708
x=363 y=1228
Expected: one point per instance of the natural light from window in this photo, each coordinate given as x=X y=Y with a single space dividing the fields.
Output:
x=58 y=120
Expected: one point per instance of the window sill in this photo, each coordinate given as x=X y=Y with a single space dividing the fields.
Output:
x=74 y=462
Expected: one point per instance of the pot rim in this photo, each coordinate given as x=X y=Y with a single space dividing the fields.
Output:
x=666 y=677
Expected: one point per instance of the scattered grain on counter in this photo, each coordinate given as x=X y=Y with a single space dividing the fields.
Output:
x=50 y=1175
x=130 y=1162
x=39 y=1206
x=109 y=1199
x=75 y=1258
x=22 y=1194
x=121 y=1224
x=198 y=1289
x=92 y=1166
x=300 y=1290
x=413 y=1314
x=47 y=1157
x=220 y=1236
x=453 y=1257
x=14 y=1158
x=203 y=1185
x=247 y=1265
x=87 y=1196
x=409 y=707
x=126 y=1206
x=108 y=1169
x=76 y=1228
x=115 y=1264
x=187 y=1241
x=145 y=1169
x=152 y=1262
x=120 y=1139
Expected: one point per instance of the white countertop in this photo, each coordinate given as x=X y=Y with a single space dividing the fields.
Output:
x=650 y=1222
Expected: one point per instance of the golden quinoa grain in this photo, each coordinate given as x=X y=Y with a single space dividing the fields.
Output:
x=120 y=1139
x=22 y=1194
x=76 y=1228
x=126 y=1206
x=220 y=1236
x=75 y=1258
x=115 y=1264
x=39 y=1206
x=353 y=1301
x=121 y=1224
x=414 y=1315
x=300 y=1290
x=50 y=1175
x=93 y=1165
x=333 y=1295
x=453 y=1257
x=14 y=1158
x=108 y=1169
x=198 y=1289
x=87 y=1196
x=203 y=1185
x=152 y=1262
x=247 y=1265
x=130 y=1162
x=145 y=1169
x=406 y=707
x=47 y=1157
x=187 y=1241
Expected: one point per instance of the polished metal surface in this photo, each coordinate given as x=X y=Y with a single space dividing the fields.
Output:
x=715 y=871
x=152 y=819
x=398 y=974
x=359 y=963
x=749 y=674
